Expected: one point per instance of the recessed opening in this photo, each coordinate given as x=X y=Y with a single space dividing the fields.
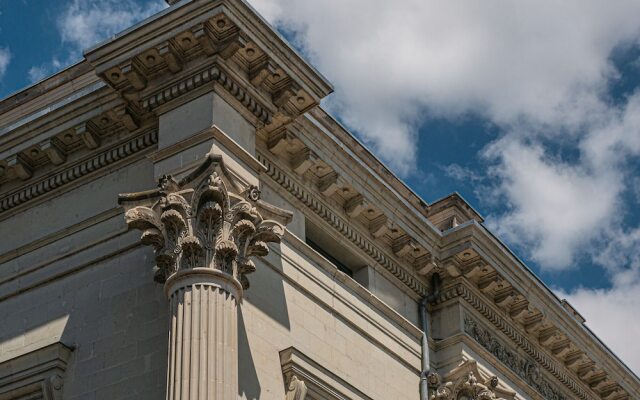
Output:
x=333 y=249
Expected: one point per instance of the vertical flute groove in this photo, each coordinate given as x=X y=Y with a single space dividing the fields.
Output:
x=186 y=344
x=202 y=356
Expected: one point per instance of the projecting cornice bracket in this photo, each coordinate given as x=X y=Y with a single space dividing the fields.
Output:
x=216 y=45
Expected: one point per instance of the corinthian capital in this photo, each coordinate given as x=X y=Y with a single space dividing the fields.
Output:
x=466 y=382
x=205 y=220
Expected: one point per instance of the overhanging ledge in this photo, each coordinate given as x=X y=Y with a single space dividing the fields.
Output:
x=151 y=58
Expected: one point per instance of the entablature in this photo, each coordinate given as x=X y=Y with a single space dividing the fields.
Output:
x=529 y=314
x=196 y=45
x=361 y=209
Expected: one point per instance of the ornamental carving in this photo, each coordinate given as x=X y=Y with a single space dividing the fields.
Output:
x=466 y=383
x=297 y=389
x=205 y=220
x=524 y=368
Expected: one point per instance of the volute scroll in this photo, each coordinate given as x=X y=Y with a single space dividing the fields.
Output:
x=205 y=220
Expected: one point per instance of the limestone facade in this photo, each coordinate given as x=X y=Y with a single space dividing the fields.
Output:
x=182 y=220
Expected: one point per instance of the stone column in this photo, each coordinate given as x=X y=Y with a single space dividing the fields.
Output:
x=205 y=230
x=203 y=338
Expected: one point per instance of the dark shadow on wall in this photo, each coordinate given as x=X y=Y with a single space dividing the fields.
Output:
x=248 y=384
x=267 y=289
x=266 y=293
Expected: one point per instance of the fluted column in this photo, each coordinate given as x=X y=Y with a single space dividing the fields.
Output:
x=205 y=230
x=203 y=338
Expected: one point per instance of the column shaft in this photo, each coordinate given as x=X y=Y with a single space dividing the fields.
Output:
x=203 y=360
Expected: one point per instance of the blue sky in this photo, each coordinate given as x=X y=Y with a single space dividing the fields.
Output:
x=530 y=111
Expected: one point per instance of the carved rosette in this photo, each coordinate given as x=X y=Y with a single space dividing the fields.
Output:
x=465 y=383
x=204 y=221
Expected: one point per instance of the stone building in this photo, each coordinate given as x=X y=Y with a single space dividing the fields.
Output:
x=180 y=219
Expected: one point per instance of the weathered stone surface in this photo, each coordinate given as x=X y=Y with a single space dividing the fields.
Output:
x=206 y=92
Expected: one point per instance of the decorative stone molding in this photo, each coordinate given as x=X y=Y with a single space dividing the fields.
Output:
x=526 y=369
x=198 y=79
x=400 y=253
x=304 y=378
x=343 y=227
x=296 y=390
x=528 y=327
x=58 y=141
x=214 y=224
x=78 y=170
x=205 y=230
x=540 y=357
x=181 y=51
x=36 y=375
x=465 y=383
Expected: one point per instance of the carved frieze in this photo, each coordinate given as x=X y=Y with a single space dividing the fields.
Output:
x=526 y=369
x=205 y=220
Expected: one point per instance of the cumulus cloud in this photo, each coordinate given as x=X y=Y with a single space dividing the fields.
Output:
x=606 y=310
x=556 y=208
x=84 y=23
x=460 y=173
x=394 y=63
x=539 y=71
x=5 y=58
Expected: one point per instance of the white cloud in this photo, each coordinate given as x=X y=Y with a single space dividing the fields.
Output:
x=557 y=208
x=537 y=70
x=460 y=173
x=84 y=23
x=5 y=59
x=553 y=208
x=606 y=310
x=37 y=73
x=394 y=62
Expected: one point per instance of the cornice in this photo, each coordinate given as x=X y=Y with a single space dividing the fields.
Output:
x=208 y=75
x=205 y=37
x=471 y=251
x=57 y=86
x=347 y=157
x=467 y=290
x=70 y=173
x=525 y=369
x=342 y=226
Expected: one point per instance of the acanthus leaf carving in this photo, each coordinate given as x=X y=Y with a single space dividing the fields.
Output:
x=199 y=223
x=523 y=367
x=296 y=390
x=465 y=382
